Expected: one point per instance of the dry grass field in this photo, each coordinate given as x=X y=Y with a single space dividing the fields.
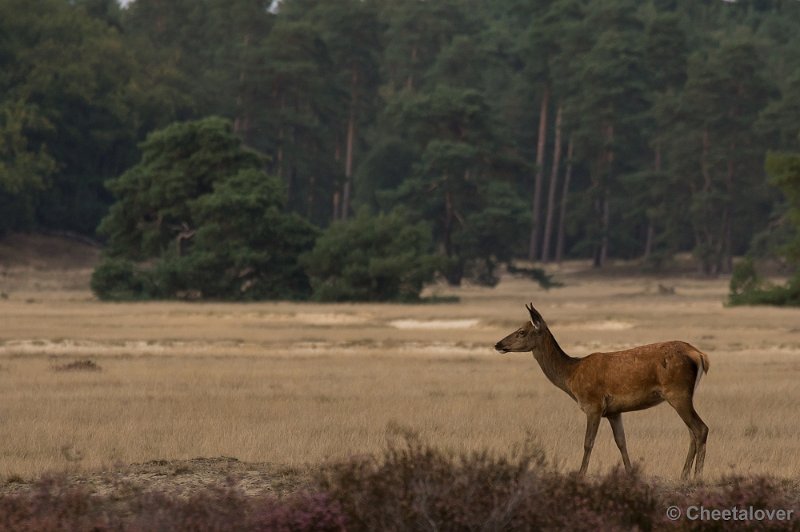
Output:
x=296 y=384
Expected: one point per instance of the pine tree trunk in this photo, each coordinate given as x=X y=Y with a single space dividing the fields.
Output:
x=562 y=215
x=455 y=270
x=705 y=240
x=335 y=202
x=606 y=220
x=537 y=186
x=337 y=195
x=448 y=223
x=651 y=228
x=726 y=259
x=410 y=79
x=605 y=208
x=727 y=236
x=310 y=200
x=241 y=124
x=351 y=134
x=279 y=154
x=281 y=135
x=551 y=193
x=648 y=243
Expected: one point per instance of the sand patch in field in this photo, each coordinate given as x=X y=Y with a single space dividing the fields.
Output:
x=34 y=347
x=316 y=318
x=434 y=324
x=445 y=349
x=605 y=325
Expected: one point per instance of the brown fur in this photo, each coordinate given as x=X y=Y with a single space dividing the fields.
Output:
x=608 y=384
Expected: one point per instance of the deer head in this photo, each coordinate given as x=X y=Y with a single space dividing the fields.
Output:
x=529 y=337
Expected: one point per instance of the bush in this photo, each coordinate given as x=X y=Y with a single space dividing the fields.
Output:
x=118 y=279
x=491 y=235
x=200 y=211
x=301 y=511
x=412 y=486
x=747 y=288
x=380 y=258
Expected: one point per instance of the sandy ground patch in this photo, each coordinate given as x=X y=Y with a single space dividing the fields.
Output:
x=434 y=324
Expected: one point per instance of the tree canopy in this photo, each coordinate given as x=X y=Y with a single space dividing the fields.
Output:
x=541 y=129
x=209 y=221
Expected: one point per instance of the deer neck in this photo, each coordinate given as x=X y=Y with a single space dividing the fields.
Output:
x=555 y=363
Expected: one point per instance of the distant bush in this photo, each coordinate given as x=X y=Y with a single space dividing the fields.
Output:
x=371 y=258
x=78 y=365
x=748 y=288
x=117 y=278
x=198 y=215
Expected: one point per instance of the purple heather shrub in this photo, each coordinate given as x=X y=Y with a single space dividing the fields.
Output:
x=410 y=486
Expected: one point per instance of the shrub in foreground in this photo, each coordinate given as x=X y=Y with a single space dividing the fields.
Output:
x=55 y=505
x=410 y=487
x=415 y=487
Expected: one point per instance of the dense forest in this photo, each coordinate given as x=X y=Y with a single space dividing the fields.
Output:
x=526 y=129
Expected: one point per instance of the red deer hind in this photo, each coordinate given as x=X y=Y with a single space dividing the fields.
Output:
x=608 y=384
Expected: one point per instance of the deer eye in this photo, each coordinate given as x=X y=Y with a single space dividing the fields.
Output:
x=520 y=333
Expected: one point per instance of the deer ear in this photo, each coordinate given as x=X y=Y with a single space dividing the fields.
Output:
x=536 y=318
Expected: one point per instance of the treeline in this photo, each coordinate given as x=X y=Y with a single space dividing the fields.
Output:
x=514 y=129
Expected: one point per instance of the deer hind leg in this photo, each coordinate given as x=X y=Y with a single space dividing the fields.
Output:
x=615 y=420
x=687 y=466
x=701 y=445
x=592 y=423
x=697 y=430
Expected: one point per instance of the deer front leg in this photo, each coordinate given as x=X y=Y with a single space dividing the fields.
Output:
x=592 y=423
x=619 y=437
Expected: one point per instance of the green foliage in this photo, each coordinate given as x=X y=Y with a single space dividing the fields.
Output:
x=539 y=275
x=746 y=287
x=72 y=95
x=246 y=246
x=744 y=279
x=208 y=221
x=118 y=279
x=478 y=221
x=784 y=168
x=179 y=163
x=491 y=235
x=371 y=258
x=24 y=170
x=668 y=107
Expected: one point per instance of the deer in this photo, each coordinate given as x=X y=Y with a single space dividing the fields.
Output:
x=605 y=385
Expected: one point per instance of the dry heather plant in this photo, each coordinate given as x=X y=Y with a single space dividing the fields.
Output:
x=78 y=365
x=411 y=486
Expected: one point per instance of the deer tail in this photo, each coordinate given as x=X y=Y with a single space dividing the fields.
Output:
x=701 y=361
x=704 y=362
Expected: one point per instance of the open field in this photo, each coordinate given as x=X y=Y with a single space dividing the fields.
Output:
x=296 y=384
